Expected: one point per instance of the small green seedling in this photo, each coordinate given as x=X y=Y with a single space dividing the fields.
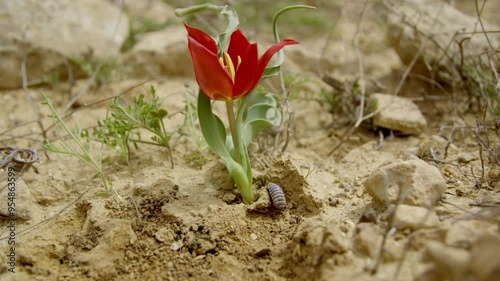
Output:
x=123 y=124
x=78 y=145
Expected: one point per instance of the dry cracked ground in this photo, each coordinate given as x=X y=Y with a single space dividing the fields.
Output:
x=410 y=193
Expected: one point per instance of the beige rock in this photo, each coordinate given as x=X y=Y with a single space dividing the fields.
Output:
x=449 y=262
x=437 y=147
x=368 y=239
x=152 y=10
x=415 y=181
x=398 y=114
x=485 y=258
x=316 y=243
x=465 y=232
x=48 y=31
x=444 y=25
x=161 y=52
x=25 y=206
x=414 y=217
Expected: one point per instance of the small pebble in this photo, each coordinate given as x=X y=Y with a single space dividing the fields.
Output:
x=176 y=245
x=253 y=236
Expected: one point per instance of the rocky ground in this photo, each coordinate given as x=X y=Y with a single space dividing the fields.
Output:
x=410 y=193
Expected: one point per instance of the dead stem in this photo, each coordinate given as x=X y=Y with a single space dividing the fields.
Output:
x=360 y=65
x=85 y=89
x=34 y=107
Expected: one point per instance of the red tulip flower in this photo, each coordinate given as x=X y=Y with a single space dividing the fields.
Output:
x=236 y=73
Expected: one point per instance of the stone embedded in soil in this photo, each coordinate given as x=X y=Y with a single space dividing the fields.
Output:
x=413 y=20
x=164 y=234
x=448 y=263
x=161 y=52
x=54 y=31
x=464 y=233
x=316 y=243
x=415 y=181
x=466 y=157
x=398 y=114
x=368 y=239
x=437 y=147
x=153 y=11
x=414 y=217
x=485 y=258
x=26 y=208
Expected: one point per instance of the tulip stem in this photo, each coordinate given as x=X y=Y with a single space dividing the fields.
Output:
x=232 y=127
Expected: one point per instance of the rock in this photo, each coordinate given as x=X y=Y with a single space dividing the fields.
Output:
x=414 y=217
x=415 y=181
x=316 y=240
x=485 y=258
x=449 y=263
x=25 y=207
x=161 y=52
x=368 y=239
x=398 y=114
x=464 y=233
x=164 y=235
x=394 y=250
x=317 y=246
x=437 y=147
x=149 y=10
x=466 y=157
x=337 y=54
x=444 y=26
x=50 y=31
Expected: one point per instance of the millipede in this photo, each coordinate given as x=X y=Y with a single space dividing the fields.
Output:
x=277 y=196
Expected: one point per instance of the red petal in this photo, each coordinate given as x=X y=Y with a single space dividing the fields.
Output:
x=202 y=38
x=244 y=81
x=264 y=60
x=212 y=78
x=249 y=75
x=238 y=46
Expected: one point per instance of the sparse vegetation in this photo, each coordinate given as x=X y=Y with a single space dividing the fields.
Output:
x=122 y=126
x=76 y=144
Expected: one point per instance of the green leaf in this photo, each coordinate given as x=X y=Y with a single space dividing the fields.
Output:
x=162 y=113
x=231 y=16
x=258 y=118
x=256 y=112
x=274 y=69
x=212 y=127
x=181 y=12
x=215 y=134
x=233 y=22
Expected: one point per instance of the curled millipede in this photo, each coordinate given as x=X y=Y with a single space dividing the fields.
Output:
x=277 y=195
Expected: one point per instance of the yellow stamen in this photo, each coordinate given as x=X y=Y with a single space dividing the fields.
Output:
x=230 y=65
x=239 y=62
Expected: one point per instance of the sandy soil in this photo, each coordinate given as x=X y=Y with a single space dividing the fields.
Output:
x=188 y=223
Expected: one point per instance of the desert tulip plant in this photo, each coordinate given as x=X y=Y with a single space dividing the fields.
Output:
x=229 y=70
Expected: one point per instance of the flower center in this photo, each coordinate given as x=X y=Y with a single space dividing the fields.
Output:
x=228 y=64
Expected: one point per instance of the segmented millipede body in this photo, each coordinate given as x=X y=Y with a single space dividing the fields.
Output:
x=277 y=196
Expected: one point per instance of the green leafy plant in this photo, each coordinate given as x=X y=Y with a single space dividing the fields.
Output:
x=78 y=145
x=123 y=124
x=345 y=99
